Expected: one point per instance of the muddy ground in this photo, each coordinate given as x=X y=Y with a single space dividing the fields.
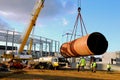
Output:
x=58 y=75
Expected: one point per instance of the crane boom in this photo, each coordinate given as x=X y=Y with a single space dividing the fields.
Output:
x=30 y=46
x=25 y=36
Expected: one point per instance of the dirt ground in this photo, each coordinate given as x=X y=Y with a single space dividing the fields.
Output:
x=58 y=75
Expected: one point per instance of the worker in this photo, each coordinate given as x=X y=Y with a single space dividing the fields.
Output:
x=77 y=65
x=82 y=64
x=108 y=67
x=91 y=66
x=94 y=66
x=92 y=59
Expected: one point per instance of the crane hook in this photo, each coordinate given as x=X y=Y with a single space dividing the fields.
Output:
x=79 y=9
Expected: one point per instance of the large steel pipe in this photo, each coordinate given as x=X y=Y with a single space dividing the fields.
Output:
x=92 y=44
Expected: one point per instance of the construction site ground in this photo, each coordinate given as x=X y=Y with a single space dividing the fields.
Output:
x=34 y=74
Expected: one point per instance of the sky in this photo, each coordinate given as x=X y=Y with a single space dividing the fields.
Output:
x=58 y=18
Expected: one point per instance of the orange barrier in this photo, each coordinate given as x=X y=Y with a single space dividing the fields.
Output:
x=92 y=44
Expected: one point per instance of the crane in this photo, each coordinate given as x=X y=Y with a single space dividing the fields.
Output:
x=25 y=36
x=30 y=46
x=39 y=5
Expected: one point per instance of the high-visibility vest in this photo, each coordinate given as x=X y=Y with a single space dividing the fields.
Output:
x=82 y=62
x=94 y=64
x=108 y=66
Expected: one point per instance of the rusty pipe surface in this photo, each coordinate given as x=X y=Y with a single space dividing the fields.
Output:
x=91 y=44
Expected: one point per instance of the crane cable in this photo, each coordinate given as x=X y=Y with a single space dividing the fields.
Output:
x=79 y=3
x=79 y=16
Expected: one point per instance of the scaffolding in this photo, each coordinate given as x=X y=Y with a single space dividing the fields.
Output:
x=42 y=46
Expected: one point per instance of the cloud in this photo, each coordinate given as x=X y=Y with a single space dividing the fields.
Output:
x=68 y=6
x=18 y=6
x=19 y=11
x=65 y=22
x=16 y=10
x=4 y=25
x=4 y=13
x=7 y=14
x=63 y=3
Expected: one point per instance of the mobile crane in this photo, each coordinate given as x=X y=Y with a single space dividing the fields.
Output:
x=38 y=7
x=24 y=38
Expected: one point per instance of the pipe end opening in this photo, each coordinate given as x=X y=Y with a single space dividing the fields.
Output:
x=97 y=43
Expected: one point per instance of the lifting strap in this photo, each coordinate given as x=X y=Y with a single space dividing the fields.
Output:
x=79 y=16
